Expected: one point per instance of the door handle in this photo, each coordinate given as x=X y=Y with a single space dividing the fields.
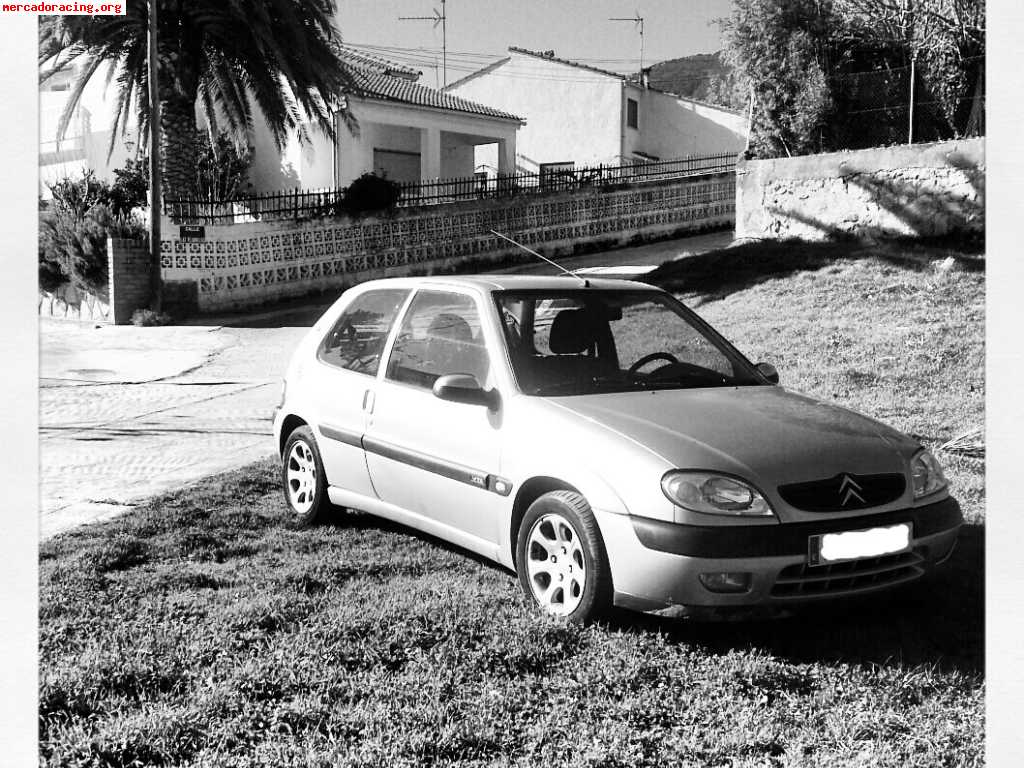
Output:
x=368 y=401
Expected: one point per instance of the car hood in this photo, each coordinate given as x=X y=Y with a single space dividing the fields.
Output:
x=767 y=434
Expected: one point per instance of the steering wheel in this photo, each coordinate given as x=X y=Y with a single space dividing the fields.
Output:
x=668 y=358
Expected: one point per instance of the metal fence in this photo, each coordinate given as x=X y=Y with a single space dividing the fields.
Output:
x=303 y=204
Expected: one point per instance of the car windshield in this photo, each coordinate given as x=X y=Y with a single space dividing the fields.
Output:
x=584 y=341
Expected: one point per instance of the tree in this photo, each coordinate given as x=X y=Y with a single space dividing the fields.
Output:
x=785 y=50
x=228 y=58
x=944 y=38
x=836 y=74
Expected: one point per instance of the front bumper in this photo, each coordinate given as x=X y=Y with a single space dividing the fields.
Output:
x=656 y=565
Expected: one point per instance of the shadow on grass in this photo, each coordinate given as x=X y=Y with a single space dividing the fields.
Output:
x=341 y=518
x=938 y=621
x=716 y=274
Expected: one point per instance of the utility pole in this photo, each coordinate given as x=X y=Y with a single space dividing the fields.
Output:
x=439 y=17
x=156 y=281
x=913 y=77
x=638 y=22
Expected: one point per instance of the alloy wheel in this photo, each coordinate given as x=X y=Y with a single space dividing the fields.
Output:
x=555 y=564
x=301 y=477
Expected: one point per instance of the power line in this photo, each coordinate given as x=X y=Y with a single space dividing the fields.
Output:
x=524 y=73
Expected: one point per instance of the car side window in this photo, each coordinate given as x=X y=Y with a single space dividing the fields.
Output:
x=357 y=339
x=440 y=334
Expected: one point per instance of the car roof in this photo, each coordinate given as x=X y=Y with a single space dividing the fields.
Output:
x=491 y=283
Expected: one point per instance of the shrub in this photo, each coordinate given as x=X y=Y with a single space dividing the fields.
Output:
x=131 y=186
x=147 y=318
x=370 y=193
x=221 y=168
x=73 y=232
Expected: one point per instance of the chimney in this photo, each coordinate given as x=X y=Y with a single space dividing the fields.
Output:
x=645 y=77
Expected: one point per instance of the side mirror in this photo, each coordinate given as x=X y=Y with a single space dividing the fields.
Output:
x=768 y=371
x=464 y=388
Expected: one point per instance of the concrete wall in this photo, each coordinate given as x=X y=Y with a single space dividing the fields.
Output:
x=918 y=190
x=670 y=126
x=571 y=114
x=245 y=265
x=129 y=275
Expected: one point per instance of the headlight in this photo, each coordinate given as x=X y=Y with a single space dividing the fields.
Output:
x=714 y=494
x=927 y=474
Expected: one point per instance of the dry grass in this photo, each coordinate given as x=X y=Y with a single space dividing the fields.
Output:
x=201 y=630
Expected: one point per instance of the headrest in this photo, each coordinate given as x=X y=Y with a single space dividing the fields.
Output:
x=449 y=326
x=573 y=331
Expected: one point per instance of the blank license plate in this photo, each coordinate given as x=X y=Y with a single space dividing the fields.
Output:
x=852 y=545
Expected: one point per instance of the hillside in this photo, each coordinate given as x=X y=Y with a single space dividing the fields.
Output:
x=690 y=76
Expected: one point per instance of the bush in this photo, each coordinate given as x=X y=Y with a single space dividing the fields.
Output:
x=73 y=232
x=221 y=168
x=370 y=193
x=131 y=186
x=147 y=318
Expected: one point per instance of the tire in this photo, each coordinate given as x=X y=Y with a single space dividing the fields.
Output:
x=560 y=525
x=303 y=478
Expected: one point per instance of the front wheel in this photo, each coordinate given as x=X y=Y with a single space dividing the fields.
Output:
x=561 y=559
x=302 y=474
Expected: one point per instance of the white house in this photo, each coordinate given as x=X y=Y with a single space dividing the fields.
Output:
x=582 y=115
x=406 y=131
x=86 y=142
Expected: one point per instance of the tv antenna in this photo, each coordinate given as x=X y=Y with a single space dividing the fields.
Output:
x=441 y=18
x=638 y=22
x=586 y=283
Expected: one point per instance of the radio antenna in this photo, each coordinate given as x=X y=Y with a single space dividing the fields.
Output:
x=586 y=283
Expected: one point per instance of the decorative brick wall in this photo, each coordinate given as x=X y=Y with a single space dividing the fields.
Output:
x=919 y=190
x=128 y=263
x=243 y=265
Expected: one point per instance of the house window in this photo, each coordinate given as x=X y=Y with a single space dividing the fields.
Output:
x=632 y=113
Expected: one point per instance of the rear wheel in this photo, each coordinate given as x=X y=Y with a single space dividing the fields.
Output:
x=302 y=474
x=561 y=559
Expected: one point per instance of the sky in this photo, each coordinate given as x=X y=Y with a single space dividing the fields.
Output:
x=480 y=31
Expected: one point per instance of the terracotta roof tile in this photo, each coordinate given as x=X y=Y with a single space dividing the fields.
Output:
x=362 y=60
x=374 y=85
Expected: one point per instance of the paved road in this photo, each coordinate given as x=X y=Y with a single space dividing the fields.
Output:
x=126 y=413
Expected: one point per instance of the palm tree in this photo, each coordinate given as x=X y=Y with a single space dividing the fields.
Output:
x=229 y=58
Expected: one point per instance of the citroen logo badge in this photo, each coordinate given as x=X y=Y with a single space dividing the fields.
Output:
x=848 y=489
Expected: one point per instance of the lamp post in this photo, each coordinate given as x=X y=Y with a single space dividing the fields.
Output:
x=156 y=283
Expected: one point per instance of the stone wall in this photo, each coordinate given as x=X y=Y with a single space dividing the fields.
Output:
x=70 y=303
x=917 y=190
x=243 y=265
x=129 y=275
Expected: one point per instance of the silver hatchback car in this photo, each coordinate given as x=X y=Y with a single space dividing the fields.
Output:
x=600 y=439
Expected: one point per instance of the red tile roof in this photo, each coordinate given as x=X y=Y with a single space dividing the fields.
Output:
x=375 y=85
x=374 y=63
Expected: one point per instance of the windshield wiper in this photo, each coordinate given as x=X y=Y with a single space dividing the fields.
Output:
x=595 y=382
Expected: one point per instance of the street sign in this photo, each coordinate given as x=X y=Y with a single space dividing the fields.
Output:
x=192 y=232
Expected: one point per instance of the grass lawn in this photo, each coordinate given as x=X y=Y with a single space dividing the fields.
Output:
x=202 y=630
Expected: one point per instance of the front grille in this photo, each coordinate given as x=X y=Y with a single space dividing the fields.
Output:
x=844 y=492
x=802 y=580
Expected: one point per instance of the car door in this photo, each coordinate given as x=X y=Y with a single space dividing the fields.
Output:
x=435 y=458
x=345 y=377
